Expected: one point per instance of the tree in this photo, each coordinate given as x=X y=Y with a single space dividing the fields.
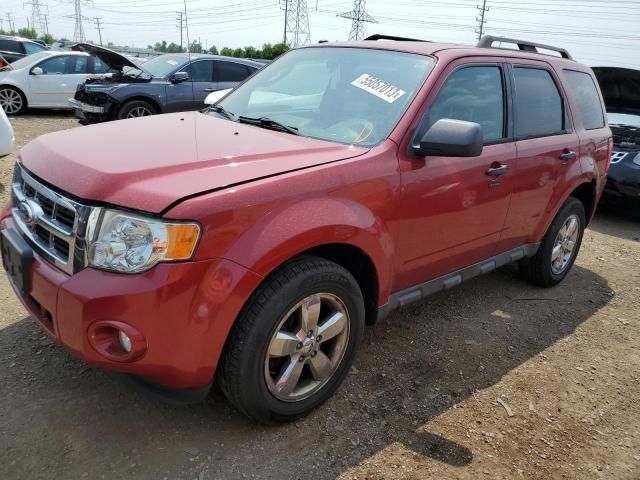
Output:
x=227 y=52
x=250 y=52
x=238 y=53
x=174 y=48
x=160 y=47
x=27 y=33
x=47 y=38
x=213 y=50
x=267 y=49
x=278 y=49
x=195 y=47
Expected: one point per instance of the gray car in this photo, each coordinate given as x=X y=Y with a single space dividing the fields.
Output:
x=167 y=83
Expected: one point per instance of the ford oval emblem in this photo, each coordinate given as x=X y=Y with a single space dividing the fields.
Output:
x=26 y=213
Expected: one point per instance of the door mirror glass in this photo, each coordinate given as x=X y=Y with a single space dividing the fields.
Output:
x=451 y=138
x=36 y=71
x=179 y=77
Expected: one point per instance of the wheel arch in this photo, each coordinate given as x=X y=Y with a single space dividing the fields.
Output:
x=143 y=98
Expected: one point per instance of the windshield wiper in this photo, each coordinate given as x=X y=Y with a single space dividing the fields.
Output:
x=268 y=123
x=222 y=111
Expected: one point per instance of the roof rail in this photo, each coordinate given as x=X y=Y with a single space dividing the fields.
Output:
x=379 y=36
x=488 y=40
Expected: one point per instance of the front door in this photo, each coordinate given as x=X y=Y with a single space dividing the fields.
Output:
x=58 y=81
x=453 y=209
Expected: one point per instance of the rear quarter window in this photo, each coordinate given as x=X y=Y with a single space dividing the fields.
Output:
x=586 y=95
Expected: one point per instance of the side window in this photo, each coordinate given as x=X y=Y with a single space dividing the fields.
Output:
x=586 y=95
x=473 y=94
x=201 y=71
x=230 y=72
x=539 y=108
x=76 y=65
x=99 y=66
x=10 y=46
x=54 y=66
x=31 y=47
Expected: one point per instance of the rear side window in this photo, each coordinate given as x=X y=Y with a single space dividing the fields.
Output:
x=31 y=47
x=586 y=95
x=473 y=94
x=230 y=72
x=539 y=108
x=10 y=46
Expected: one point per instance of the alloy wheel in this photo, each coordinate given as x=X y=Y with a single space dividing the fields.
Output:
x=565 y=244
x=10 y=101
x=139 y=112
x=307 y=347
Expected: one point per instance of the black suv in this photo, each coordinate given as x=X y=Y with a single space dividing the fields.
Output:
x=15 y=48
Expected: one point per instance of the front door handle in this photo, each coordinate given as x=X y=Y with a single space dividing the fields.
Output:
x=497 y=170
x=568 y=155
x=209 y=89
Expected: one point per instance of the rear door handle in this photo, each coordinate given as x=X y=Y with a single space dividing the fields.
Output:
x=497 y=171
x=568 y=155
x=209 y=89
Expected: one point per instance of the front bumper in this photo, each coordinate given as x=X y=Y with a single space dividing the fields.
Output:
x=85 y=107
x=623 y=179
x=184 y=311
x=88 y=113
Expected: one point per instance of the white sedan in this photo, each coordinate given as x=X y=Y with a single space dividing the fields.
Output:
x=45 y=79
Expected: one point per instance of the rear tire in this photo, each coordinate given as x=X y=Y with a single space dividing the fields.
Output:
x=134 y=109
x=12 y=100
x=276 y=366
x=559 y=247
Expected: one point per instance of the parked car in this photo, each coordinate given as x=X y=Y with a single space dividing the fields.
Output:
x=7 y=139
x=251 y=243
x=621 y=91
x=15 y=48
x=45 y=80
x=168 y=83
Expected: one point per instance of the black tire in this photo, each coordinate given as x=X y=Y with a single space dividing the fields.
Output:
x=538 y=269
x=129 y=108
x=23 y=99
x=241 y=373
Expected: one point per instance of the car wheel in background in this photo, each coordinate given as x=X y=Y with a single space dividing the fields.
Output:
x=12 y=100
x=559 y=247
x=135 y=108
x=294 y=341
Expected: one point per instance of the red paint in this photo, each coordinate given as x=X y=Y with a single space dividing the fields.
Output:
x=269 y=196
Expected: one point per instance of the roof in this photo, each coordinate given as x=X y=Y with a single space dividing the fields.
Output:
x=217 y=57
x=18 y=39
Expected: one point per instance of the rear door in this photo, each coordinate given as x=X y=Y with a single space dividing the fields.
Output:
x=548 y=149
x=229 y=74
x=453 y=210
x=58 y=82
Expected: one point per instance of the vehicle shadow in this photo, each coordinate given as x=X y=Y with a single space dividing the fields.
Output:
x=62 y=419
x=615 y=219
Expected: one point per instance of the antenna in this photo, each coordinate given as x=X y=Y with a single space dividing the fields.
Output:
x=359 y=17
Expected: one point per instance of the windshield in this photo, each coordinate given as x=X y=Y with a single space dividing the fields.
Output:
x=346 y=95
x=164 y=64
x=624 y=119
x=29 y=59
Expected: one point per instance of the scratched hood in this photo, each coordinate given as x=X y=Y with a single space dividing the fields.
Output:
x=151 y=162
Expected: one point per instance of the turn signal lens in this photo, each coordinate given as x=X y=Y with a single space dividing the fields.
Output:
x=182 y=239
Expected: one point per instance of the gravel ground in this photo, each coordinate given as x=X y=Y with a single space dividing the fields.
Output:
x=421 y=401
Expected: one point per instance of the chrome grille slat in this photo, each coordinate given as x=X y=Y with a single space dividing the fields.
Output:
x=58 y=224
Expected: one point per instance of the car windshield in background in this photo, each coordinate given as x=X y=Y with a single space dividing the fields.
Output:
x=624 y=119
x=346 y=95
x=164 y=64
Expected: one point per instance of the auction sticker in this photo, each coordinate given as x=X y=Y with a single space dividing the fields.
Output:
x=381 y=89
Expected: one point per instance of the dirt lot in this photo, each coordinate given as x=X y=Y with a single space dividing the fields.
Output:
x=420 y=402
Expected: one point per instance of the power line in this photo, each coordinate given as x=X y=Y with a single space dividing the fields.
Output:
x=481 y=20
x=358 y=16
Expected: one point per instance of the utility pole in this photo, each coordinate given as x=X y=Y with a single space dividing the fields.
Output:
x=481 y=19
x=11 y=28
x=37 y=18
x=180 y=26
x=359 y=17
x=296 y=23
x=97 y=19
x=46 y=23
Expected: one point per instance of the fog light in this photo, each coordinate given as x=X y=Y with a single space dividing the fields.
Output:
x=125 y=341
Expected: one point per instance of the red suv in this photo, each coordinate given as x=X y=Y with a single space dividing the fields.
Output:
x=252 y=242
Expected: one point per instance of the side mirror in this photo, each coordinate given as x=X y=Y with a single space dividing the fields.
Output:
x=451 y=138
x=179 y=77
x=36 y=71
x=213 y=97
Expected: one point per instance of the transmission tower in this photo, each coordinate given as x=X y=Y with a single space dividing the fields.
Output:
x=37 y=17
x=358 y=16
x=78 y=31
x=481 y=19
x=296 y=23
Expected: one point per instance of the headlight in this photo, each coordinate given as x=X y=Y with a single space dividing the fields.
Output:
x=637 y=159
x=130 y=243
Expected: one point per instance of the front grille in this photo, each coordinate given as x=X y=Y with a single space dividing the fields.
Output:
x=50 y=220
x=617 y=157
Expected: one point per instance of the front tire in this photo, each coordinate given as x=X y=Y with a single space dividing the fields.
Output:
x=135 y=109
x=294 y=341
x=12 y=100
x=559 y=247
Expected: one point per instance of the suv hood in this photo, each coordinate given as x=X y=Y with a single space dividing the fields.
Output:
x=115 y=60
x=620 y=89
x=152 y=162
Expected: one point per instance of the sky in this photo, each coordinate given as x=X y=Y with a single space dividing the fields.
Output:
x=596 y=32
